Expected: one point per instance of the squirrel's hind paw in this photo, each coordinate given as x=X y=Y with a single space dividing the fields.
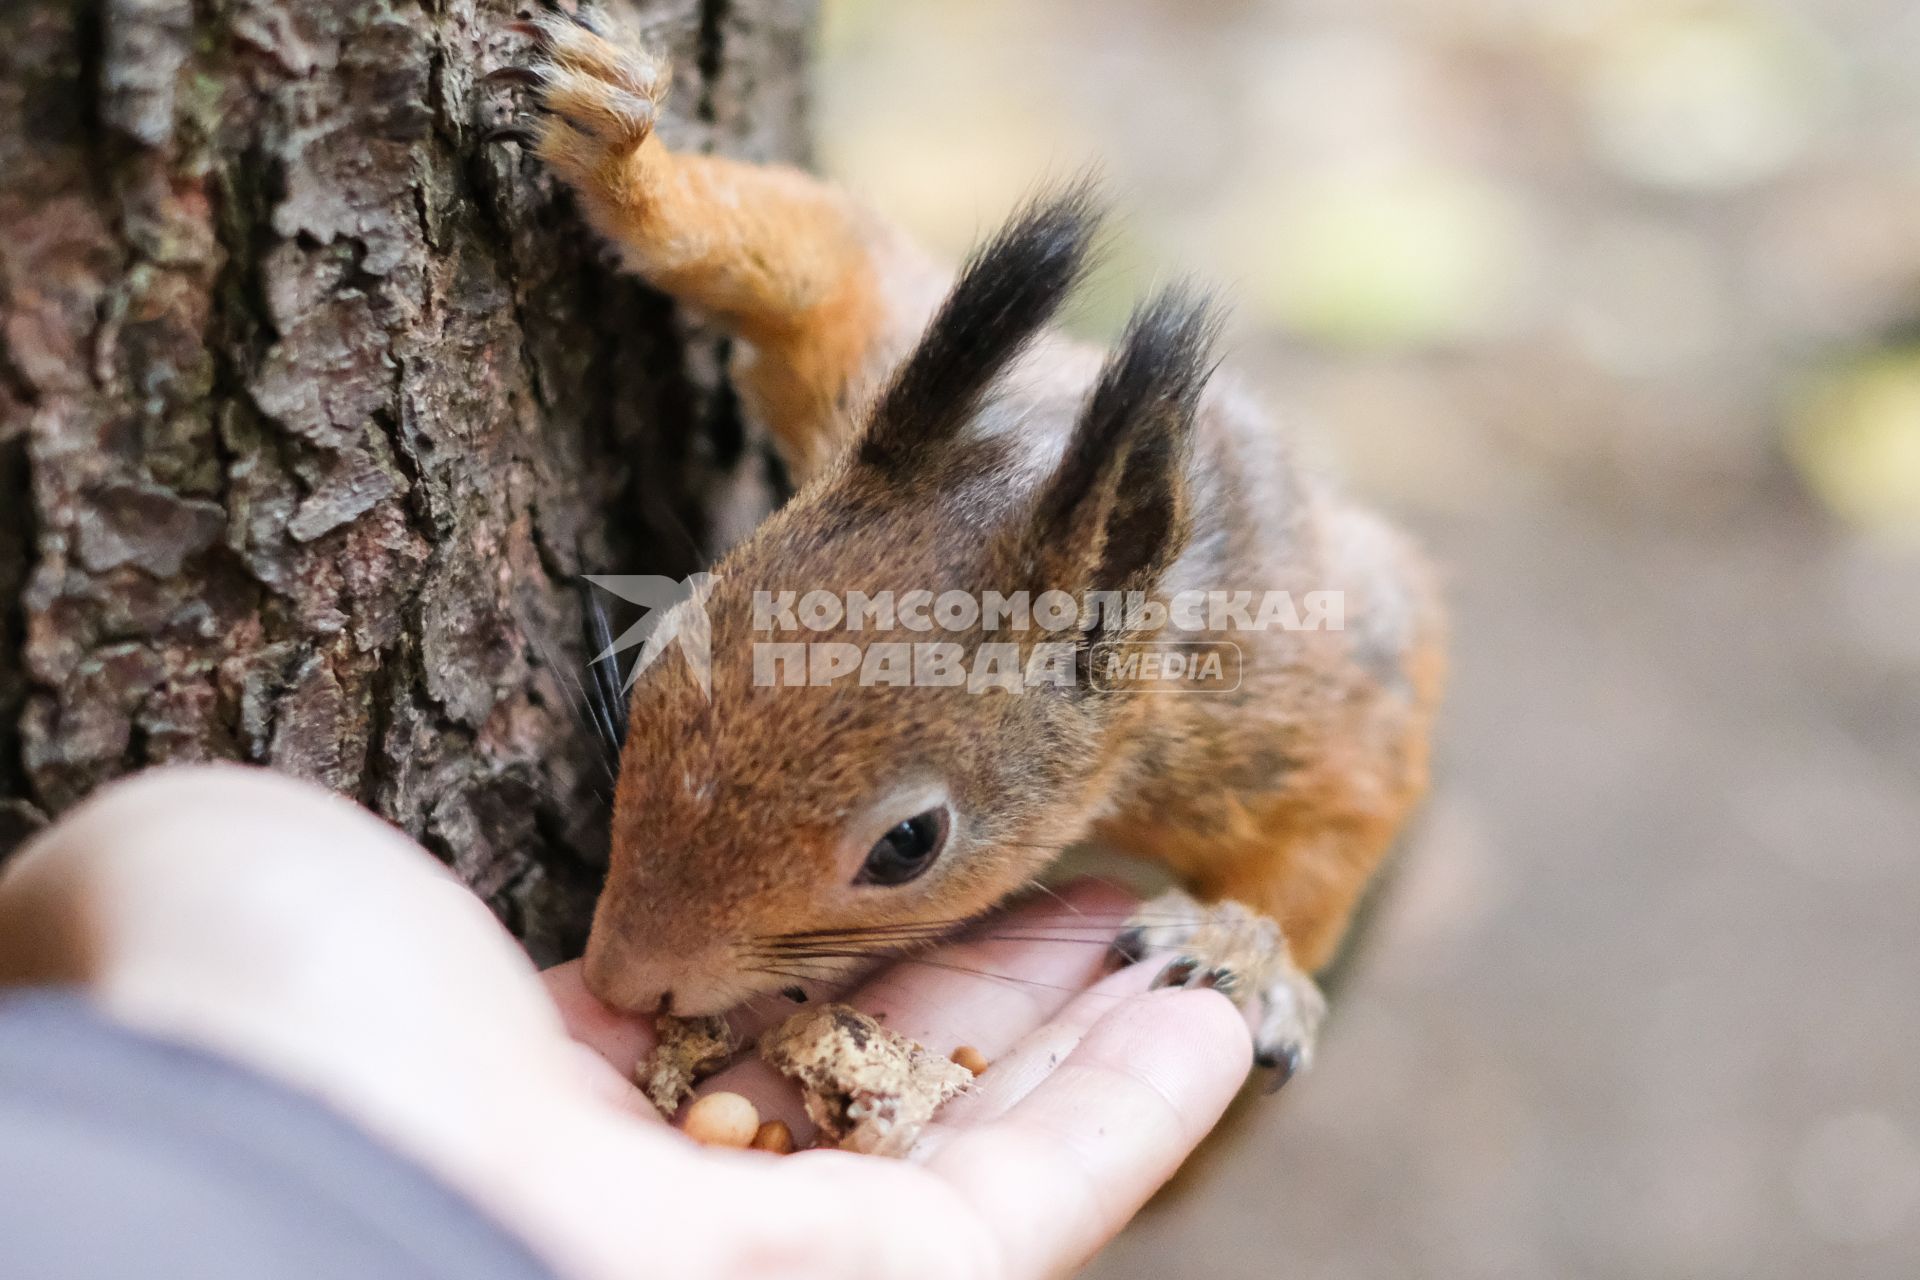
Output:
x=1244 y=956
x=597 y=95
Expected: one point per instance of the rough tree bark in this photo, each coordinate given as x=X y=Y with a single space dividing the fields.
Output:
x=313 y=404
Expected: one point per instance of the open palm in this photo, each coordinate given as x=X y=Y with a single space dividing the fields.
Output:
x=294 y=932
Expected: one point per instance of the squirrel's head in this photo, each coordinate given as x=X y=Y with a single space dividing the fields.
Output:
x=842 y=788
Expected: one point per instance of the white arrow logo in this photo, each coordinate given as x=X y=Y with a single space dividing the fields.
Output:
x=675 y=611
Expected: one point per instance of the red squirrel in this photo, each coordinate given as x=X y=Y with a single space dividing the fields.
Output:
x=944 y=437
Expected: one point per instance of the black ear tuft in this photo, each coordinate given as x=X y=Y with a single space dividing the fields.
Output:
x=1115 y=513
x=1009 y=288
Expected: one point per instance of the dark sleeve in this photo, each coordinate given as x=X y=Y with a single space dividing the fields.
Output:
x=125 y=1156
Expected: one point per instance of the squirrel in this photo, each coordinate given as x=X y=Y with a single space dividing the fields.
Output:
x=944 y=436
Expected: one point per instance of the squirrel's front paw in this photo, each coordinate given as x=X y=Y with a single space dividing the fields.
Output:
x=597 y=99
x=1244 y=956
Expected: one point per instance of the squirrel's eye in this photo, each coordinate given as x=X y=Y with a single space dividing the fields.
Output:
x=907 y=850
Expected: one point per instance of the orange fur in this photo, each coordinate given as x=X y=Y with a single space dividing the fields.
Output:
x=740 y=816
x=789 y=265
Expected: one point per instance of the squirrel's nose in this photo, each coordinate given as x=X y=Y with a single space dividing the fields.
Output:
x=644 y=981
x=624 y=982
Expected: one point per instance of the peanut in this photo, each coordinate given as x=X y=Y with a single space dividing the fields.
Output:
x=971 y=1058
x=774 y=1136
x=722 y=1120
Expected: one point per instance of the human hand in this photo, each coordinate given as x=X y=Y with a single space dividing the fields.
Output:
x=294 y=932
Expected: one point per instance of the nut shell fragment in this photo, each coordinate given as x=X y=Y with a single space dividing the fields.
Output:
x=868 y=1089
x=687 y=1052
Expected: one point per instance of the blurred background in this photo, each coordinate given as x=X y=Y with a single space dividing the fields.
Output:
x=1618 y=305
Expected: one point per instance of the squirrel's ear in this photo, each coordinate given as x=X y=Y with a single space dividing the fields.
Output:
x=1009 y=288
x=1115 y=512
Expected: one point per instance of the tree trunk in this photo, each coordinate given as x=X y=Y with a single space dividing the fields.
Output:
x=313 y=404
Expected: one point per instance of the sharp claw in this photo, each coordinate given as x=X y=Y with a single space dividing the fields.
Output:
x=590 y=24
x=1284 y=1063
x=531 y=30
x=1130 y=945
x=1221 y=979
x=509 y=133
x=1177 y=973
x=532 y=77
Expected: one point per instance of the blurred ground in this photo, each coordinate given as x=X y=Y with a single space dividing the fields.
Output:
x=1615 y=303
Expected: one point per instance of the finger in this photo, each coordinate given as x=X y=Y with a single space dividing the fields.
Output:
x=1070 y=1163
x=1013 y=1075
x=597 y=1079
x=620 y=1038
x=986 y=991
x=237 y=883
x=1001 y=982
x=611 y=1043
x=287 y=928
x=982 y=988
